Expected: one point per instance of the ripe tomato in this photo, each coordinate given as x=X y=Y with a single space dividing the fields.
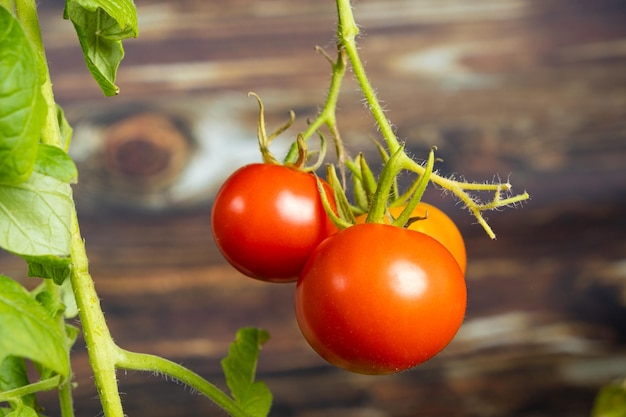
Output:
x=378 y=299
x=267 y=219
x=439 y=226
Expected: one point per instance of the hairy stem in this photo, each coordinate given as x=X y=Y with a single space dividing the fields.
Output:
x=347 y=33
x=39 y=386
x=328 y=115
x=101 y=348
x=146 y=362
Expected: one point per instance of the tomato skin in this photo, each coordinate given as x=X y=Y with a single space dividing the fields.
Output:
x=378 y=299
x=439 y=226
x=267 y=219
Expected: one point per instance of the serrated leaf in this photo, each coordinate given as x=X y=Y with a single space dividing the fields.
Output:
x=26 y=329
x=56 y=268
x=54 y=162
x=22 y=106
x=101 y=25
x=35 y=219
x=239 y=368
x=611 y=400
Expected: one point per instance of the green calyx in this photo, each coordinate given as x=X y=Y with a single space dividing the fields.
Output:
x=302 y=157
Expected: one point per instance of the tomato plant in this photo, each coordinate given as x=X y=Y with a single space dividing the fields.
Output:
x=371 y=298
x=378 y=299
x=267 y=219
x=435 y=223
x=39 y=223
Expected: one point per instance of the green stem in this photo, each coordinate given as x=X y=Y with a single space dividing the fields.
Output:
x=66 y=401
x=145 y=362
x=328 y=114
x=348 y=31
x=65 y=388
x=45 y=385
x=100 y=346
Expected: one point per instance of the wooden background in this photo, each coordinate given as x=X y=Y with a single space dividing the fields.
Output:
x=531 y=90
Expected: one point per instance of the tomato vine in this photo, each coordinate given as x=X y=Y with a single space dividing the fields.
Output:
x=347 y=54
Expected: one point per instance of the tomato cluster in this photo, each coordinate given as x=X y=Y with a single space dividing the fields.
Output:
x=371 y=298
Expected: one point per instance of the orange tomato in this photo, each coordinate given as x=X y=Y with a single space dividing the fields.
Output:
x=438 y=225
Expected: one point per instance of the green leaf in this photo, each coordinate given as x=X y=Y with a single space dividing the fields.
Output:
x=69 y=300
x=56 y=268
x=101 y=25
x=13 y=375
x=54 y=162
x=239 y=368
x=611 y=401
x=26 y=329
x=65 y=129
x=22 y=106
x=35 y=224
x=22 y=410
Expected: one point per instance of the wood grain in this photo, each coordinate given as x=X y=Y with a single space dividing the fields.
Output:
x=534 y=91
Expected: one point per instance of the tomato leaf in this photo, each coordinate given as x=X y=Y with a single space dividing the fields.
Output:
x=611 y=401
x=65 y=129
x=13 y=375
x=22 y=107
x=54 y=162
x=56 y=268
x=36 y=218
x=101 y=25
x=239 y=368
x=26 y=329
x=23 y=410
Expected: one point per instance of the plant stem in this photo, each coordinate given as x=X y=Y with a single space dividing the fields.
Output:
x=100 y=346
x=347 y=32
x=65 y=387
x=39 y=386
x=146 y=362
x=328 y=114
x=66 y=401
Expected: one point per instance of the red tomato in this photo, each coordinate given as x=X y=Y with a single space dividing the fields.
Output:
x=439 y=226
x=378 y=299
x=267 y=219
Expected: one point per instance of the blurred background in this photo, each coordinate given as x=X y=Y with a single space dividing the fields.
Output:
x=533 y=91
